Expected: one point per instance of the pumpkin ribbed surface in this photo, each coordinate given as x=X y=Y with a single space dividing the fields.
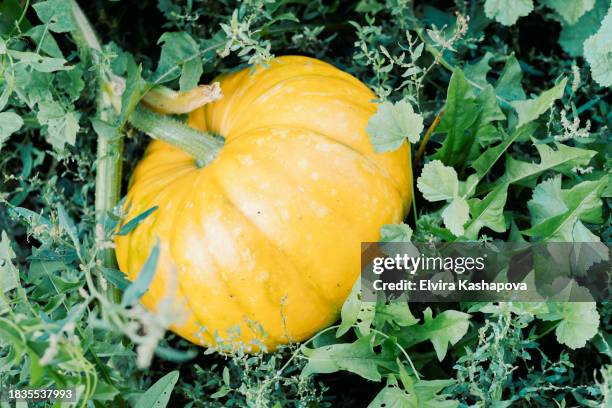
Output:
x=267 y=236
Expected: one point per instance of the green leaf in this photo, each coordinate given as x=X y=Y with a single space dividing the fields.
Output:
x=508 y=85
x=57 y=14
x=396 y=312
x=67 y=225
x=40 y=63
x=557 y=214
x=570 y=10
x=488 y=212
x=395 y=233
x=531 y=109
x=446 y=328
x=357 y=357
x=392 y=123
x=455 y=215
x=60 y=126
x=136 y=221
x=9 y=275
x=598 y=52
x=572 y=37
x=9 y=123
x=460 y=113
x=159 y=394
x=579 y=322
x=134 y=91
x=563 y=160
x=393 y=397
x=350 y=309
x=178 y=49
x=507 y=12
x=477 y=72
x=438 y=182
x=190 y=75
x=138 y=288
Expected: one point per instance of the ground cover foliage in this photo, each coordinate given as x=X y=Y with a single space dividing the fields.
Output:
x=506 y=105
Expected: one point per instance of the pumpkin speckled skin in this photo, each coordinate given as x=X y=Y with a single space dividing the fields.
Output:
x=268 y=234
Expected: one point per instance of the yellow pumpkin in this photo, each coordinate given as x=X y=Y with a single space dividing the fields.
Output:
x=266 y=238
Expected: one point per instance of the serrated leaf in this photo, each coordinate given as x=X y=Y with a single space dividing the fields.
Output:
x=57 y=14
x=557 y=214
x=60 y=126
x=438 y=182
x=395 y=233
x=178 y=49
x=446 y=328
x=598 y=52
x=531 y=109
x=572 y=37
x=392 y=123
x=570 y=10
x=9 y=123
x=159 y=394
x=477 y=72
x=579 y=322
x=488 y=212
x=507 y=12
x=139 y=287
x=563 y=160
x=455 y=215
x=508 y=85
x=358 y=358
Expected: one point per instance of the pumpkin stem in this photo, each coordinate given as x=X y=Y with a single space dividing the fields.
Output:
x=203 y=146
x=167 y=101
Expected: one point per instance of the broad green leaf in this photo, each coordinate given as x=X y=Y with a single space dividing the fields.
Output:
x=392 y=123
x=9 y=275
x=395 y=233
x=45 y=42
x=396 y=312
x=572 y=37
x=393 y=397
x=358 y=358
x=484 y=163
x=60 y=127
x=40 y=63
x=9 y=123
x=531 y=109
x=488 y=212
x=438 y=182
x=579 y=322
x=563 y=160
x=460 y=113
x=508 y=85
x=477 y=72
x=428 y=394
x=57 y=14
x=190 y=74
x=507 y=12
x=570 y=10
x=598 y=52
x=159 y=394
x=138 y=288
x=557 y=214
x=455 y=215
x=446 y=328
x=178 y=49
